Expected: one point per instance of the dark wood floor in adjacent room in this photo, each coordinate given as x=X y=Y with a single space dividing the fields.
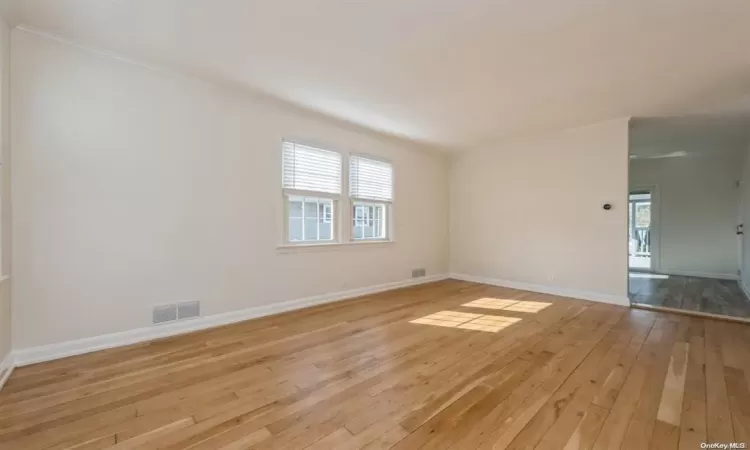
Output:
x=514 y=370
x=705 y=295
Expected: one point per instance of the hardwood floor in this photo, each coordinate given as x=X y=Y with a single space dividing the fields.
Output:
x=407 y=369
x=705 y=295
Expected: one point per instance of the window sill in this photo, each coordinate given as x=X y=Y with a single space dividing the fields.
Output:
x=296 y=248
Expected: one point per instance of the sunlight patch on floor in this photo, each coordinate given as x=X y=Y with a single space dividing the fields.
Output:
x=508 y=305
x=490 y=303
x=528 y=307
x=467 y=321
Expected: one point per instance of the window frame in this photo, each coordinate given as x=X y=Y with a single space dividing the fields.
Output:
x=342 y=206
x=369 y=205
x=288 y=194
x=388 y=221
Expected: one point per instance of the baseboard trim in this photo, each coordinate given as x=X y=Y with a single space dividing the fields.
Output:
x=6 y=369
x=553 y=290
x=33 y=355
x=687 y=312
x=687 y=273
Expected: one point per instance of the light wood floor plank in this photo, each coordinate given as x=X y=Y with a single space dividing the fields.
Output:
x=719 y=419
x=616 y=425
x=693 y=420
x=532 y=371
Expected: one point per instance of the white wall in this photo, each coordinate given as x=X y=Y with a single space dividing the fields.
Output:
x=5 y=198
x=698 y=209
x=531 y=211
x=134 y=187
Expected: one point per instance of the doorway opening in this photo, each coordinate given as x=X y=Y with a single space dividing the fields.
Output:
x=687 y=203
x=639 y=224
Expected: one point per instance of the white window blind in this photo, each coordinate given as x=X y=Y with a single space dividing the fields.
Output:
x=370 y=179
x=311 y=169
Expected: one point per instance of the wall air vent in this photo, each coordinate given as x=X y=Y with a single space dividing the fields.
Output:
x=188 y=309
x=165 y=313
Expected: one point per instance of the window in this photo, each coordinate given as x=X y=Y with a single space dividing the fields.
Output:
x=369 y=221
x=371 y=194
x=312 y=187
x=312 y=180
x=307 y=219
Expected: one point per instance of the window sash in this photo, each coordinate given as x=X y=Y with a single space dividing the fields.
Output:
x=369 y=221
x=301 y=224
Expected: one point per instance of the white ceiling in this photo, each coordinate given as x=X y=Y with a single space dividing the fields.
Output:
x=451 y=73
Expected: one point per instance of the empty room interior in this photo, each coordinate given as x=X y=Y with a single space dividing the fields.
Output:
x=330 y=224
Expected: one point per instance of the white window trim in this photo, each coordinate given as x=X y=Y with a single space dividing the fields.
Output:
x=335 y=223
x=343 y=215
x=388 y=222
x=339 y=246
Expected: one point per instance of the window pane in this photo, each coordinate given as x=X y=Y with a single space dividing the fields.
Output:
x=326 y=212
x=295 y=229
x=378 y=230
x=368 y=221
x=295 y=208
x=326 y=231
x=642 y=215
x=311 y=229
x=310 y=219
x=311 y=208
